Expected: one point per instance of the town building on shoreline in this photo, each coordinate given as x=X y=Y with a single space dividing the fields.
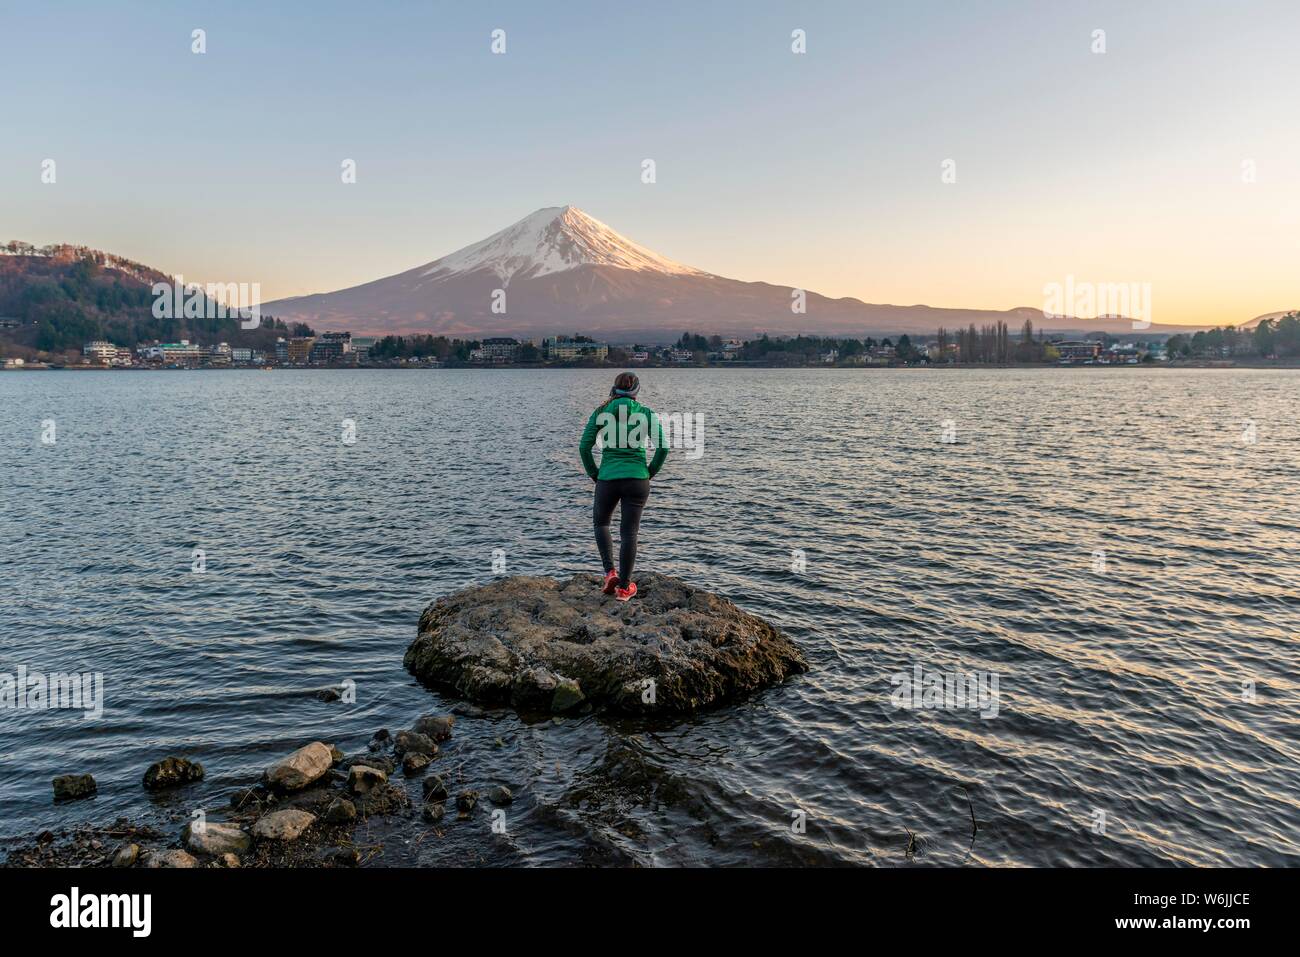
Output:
x=563 y=349
x=331 y=347
x=103 y=353
x=298 y=350
x=247 y=357
x=361 y=346
x=1077 y=350
x=173 y=353
x=498 y=349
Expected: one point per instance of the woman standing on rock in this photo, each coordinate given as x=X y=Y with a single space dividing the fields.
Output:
x=625 y=426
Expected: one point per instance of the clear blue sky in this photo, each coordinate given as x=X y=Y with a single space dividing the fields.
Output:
x=820 y=170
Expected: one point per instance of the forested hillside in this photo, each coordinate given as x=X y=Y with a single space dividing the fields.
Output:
x=65 y=296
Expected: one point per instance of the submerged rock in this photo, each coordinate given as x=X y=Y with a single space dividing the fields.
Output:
x=172 y=772
x=413 y=763
x=413 y=742
x=70 y=787
x=550 y=645
x=436 y=726
x=434 y=788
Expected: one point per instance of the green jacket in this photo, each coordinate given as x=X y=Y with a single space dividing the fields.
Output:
x=625 y=426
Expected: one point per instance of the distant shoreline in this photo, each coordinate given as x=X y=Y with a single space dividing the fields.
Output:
x=540 y=366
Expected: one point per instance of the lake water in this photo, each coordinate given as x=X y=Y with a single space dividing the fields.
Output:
x=1119 y=548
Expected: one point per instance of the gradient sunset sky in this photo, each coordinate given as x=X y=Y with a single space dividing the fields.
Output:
x=820 y=170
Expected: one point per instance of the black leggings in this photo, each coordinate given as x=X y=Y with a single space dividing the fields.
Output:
x=633 y=494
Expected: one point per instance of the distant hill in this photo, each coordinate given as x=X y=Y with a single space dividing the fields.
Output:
x=1252 y=323
x=563 y=271
x=64 y=296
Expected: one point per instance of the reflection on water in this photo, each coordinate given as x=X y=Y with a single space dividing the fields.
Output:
x=1110 y=544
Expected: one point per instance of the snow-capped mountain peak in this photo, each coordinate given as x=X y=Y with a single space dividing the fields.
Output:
x=552 y=240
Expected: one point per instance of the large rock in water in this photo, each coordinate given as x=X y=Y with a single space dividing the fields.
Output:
x=305 y=766
x=543 y=644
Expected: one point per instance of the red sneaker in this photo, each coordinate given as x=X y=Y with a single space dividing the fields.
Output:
x=624 y=594
x=611 y=582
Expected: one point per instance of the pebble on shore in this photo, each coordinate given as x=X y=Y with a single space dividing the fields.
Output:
x=214 y=838
x=286 y=825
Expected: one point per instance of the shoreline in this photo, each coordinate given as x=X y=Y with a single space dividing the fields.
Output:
x=353 y=812
x=503 y=366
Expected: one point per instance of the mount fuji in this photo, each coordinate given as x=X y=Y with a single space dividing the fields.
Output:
x=560 y=271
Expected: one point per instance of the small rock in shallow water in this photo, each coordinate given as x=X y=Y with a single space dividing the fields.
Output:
x=362 y=779
x=436 y=726
x=214 y=838
x=434 y=788
x=70 y=787
x=340 y=811
x=382 y=799
x=434 y=811
x=286 y=825
x=469 y=710
x=465 y=802
x=172 y=772
x=172 y=858
x=335 y=755
x=126 y=855
x=379 y=761
x=413 y=742
x=414 y=763
x=340 y=857
x=568 y=694
x=303 y=767
x=500 y=795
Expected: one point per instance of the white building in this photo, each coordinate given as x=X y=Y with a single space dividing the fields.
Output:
x=101 y=352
